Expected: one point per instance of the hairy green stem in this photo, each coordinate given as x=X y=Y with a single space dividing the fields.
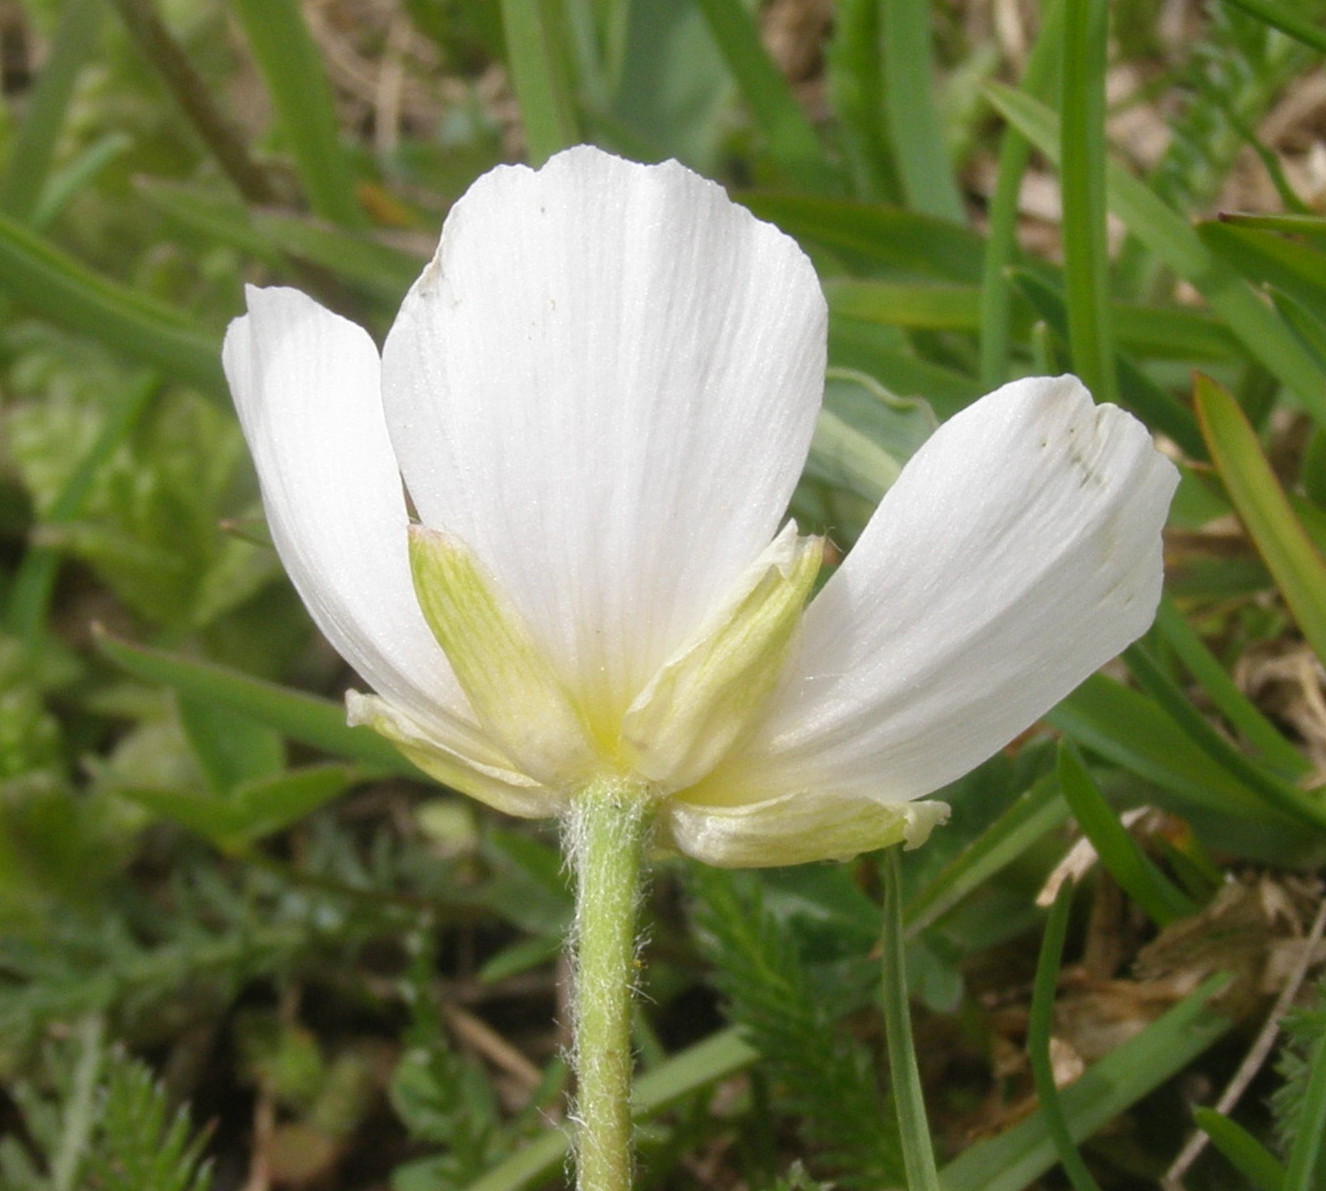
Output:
x=605 y=837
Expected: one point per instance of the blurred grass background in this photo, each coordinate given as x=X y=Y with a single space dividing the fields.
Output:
x=243 y=946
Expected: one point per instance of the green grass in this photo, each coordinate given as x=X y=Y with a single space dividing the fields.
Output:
x=214 y=894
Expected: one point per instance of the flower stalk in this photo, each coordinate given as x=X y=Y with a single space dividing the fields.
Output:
x=606 y=831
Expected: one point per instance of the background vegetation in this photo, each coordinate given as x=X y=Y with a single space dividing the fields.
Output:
x=242 y=946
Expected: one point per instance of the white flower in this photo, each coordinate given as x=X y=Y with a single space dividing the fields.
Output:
x=599 y=396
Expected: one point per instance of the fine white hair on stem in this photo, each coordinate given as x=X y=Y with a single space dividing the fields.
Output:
x=604 y=840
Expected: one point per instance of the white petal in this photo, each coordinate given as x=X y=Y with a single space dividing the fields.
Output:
x=306 y=385
x=795 y=828
x=1019 y=550
x=605 y=384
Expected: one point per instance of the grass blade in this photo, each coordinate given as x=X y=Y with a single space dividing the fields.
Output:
x=316 y=722
x=1266 y=257
x=1245 y=1153
x=1036 y=813
x=1082 y=174
x=856 y=94
x=1287 y=19
x=52 y=284
x=1136 y=733
x=1016 y=1158
x=904 y=1078
x=291 y=66
x=1155 y=332
x=157 y=46
x=915 y=129
x=537 y=56
x=30 y=159
x=76 y=175
x=1282 y=795
x=718 y=1057
x=1241 y=713
x=1262 y=506
x=1159 y=898
x=792 y=142
x=1170 y=237
x=918 y=244
x=1001 y=248
x=1040 y=1026
x=1136 y=389
x=29 y=594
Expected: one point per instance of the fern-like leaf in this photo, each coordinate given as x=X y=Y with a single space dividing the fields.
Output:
x=825 y=1076
x=142 y=1143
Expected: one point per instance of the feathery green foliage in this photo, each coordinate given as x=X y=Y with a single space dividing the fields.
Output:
x=826 y=1078
x=104 y=1123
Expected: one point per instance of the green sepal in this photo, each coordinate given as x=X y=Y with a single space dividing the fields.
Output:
x=508 y=791
x=706 y=698
x=516 y=695
x=795 y=828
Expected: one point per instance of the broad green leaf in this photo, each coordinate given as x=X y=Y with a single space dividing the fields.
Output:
x=1159 y=898
x=1289 y=554
x=232 y=748
x=291 y=66
x=1172 y=240
x=272 y=804
x=792 y=142
x=213 y=818
x=256 y=810
x=914 y=127
x=316 y=722
x=1017 y=1157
